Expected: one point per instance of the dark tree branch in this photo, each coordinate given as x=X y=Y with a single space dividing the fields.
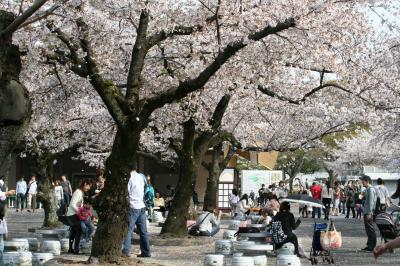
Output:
x=22 y=18
x=273 y=94
x=218 y=115
x=40 y=16
x=137 y=61
x=105 y=88
x=190 y=85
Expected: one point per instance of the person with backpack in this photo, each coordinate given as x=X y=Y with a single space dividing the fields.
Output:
x=369 y=209
x=283 y=225
x=137 y=215
x=3 y=223
x=383 y=195
x=350 y=200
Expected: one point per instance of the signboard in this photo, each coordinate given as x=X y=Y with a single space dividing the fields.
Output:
x=251 y=180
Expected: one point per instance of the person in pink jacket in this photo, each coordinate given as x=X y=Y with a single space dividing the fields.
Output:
x=85 y=217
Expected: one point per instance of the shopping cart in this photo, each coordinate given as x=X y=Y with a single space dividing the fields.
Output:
x=316 y=249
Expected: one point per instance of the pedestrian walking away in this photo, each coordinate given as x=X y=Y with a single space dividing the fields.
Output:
x=21 y=189
x=66 y=185
x=383 y=195
x=369 y=208
x=327 y=195
x=350 y=200
x=316 y=191
x=137 y=215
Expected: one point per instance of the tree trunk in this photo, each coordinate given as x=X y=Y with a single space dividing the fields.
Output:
x=112 y=205
x=15 y=106
x=175 y=225
x=49 y=202
x=214 y=171
x=46 y=196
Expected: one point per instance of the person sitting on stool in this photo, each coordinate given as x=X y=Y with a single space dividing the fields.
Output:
x=288 y=224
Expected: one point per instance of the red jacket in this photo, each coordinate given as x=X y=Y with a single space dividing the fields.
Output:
x=84 y=214
x=316 y=192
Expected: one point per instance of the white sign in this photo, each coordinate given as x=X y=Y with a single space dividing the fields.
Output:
x=251 y=180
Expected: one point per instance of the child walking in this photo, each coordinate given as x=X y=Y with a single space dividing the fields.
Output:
x=359 y=209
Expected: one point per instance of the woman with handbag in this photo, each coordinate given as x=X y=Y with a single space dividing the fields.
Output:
x=72 y=218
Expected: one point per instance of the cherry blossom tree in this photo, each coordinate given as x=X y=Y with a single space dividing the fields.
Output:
x=140 y=56
x=15 y=106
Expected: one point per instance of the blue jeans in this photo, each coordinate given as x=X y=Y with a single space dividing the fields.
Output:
x=87 y=228
x=67 y=198
x=20 y=201
x=1 y=250
x=137 y=217
x=316 y=210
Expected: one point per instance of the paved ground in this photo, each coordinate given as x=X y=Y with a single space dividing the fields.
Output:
x=175 y=252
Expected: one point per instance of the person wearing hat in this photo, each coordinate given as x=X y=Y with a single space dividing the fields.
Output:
x=137 y=215
x=369 y=208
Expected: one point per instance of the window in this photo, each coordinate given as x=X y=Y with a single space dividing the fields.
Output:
x=224 y=190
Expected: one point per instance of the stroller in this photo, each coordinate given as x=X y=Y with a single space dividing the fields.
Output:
x=388 y=223
x=316 y=249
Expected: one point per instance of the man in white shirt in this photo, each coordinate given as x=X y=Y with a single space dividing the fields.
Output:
x=32 y=191
x=137 y=216
x=21 y=191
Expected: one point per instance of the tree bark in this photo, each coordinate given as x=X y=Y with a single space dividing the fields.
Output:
x=214 y=171
x=175 y=225
x=15 y=106
x=112 y=204
x=43 y=165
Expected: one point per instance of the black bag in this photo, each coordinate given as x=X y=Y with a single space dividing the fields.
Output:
x=245 y=230
x=195 y=229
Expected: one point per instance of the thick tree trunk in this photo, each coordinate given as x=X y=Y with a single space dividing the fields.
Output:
x=210 y=198
x=49 y=202
x=46 y=196
x=15 y=106
x=112 y=205
x=175 y=225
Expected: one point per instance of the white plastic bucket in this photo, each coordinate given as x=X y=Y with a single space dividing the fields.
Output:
x=17 y=258
x=52 y=246
x=64 y=244
x=32 y=242
x=288 y=260
x=229 y=234
x=234 y=225
x=286 y=249
x=16 y=245
x=242 y=261
x=38 y=259
x=157 y=217
x=224 y=247
x=214 y=260
x=260 y=260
